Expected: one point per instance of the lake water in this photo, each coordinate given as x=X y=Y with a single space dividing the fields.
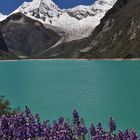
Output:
x=97 y=89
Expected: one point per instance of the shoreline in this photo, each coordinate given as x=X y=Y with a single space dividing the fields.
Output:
x=119 y=59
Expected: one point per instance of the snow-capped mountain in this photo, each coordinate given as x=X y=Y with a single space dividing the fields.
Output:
x=118 y=34
x=2 y=17
x=77 y=22
x=100 y=7
x=39 y=9
x=40 y=29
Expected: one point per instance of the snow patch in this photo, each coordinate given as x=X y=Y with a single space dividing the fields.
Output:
x=2 y=17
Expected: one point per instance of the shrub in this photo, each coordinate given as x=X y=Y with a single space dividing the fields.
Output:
x=25 y=126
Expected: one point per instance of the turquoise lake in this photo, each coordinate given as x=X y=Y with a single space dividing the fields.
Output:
x=97 y=89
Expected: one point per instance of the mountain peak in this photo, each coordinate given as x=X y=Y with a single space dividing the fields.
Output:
x=40 y=9
x=48 y=4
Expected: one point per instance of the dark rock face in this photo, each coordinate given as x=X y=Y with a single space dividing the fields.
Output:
x=118 y=34
x=65 y=50
x=5 y=53
x=26 y=37
x=3 y=46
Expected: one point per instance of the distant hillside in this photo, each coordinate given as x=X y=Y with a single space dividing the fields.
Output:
x=118 y=34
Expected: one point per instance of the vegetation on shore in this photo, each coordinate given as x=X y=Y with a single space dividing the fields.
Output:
x=5 y=108
x=16 y=125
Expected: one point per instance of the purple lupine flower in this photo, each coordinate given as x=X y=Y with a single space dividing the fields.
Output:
x=126 y=134
x=26 y=126
x=37 y=117
x=133 y=135
x=27 y=111
x=120 y=135
x=61 y=120
x=76 y=120
x=112 y=125
x=99 y=127
x=92 y=131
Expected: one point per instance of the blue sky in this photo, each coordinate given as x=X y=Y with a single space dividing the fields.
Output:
x=7 y=6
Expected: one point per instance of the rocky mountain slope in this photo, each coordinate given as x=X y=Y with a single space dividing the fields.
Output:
x=5 y=53
x=26 y=37
x=3 y=46
x=118 y=35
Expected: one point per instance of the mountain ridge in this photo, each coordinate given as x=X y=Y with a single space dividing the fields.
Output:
x=47 y=12
x=117 y=36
